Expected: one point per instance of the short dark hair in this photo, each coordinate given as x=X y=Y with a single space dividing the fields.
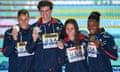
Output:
x=23 y=11
x=44 y=3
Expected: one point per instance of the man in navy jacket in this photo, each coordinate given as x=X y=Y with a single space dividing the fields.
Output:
x=16 y=40
x=45 y=35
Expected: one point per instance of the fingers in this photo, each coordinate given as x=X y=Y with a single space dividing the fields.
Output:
x=35 y=36
x=14 y=34
x=97 y=43
x=60 y=45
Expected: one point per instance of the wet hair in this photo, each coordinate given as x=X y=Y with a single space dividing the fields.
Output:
x=23 y=11
x=45 y=3
x=77 y=33
x=95 y=15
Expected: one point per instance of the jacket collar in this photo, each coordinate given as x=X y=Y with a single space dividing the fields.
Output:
x=53 y=20
x=81 y=36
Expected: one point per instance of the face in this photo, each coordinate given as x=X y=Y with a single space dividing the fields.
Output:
x=93 y=26
x=45 y=12
x=70 y=29
x=23 y=20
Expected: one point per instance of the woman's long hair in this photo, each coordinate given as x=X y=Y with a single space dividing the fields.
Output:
x=77 y=33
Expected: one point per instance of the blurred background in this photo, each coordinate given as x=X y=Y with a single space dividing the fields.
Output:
x=63 y=9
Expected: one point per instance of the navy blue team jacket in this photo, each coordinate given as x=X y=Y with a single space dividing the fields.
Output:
x=78 y=66
x=105 y=52
x=17 y=64
x=46 y=60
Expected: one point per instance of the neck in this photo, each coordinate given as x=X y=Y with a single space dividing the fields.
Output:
x=46 y=20
x=25 y=27
x=71 y=37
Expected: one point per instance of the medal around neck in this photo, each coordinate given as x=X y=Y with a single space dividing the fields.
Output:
x=92 y=38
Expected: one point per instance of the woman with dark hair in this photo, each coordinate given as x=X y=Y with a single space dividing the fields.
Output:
x=74 y=48
x=101 y=46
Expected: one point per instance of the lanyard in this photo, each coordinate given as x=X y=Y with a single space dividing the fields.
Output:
x=45 y=29
x=20 y=36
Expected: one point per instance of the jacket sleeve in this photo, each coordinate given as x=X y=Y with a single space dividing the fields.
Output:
x=31 y=46
x=60 y=24
x=8 y=44
x=61 y=56
x=109 y=48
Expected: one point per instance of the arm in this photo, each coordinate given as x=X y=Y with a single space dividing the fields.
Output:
x=60 y=31
x=8 y=44
x=61 y=53
x=31 y=46
x=109 y=48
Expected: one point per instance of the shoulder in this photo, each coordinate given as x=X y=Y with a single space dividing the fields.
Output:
x=8 y=30
x=7 y=33
x=106 y=35
x=34 y=24
x=83 y=39
x=83 y=35
x=58 y=22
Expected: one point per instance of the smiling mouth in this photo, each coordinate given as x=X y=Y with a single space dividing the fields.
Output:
x=92 y=31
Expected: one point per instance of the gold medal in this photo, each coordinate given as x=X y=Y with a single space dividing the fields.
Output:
x=92 y=38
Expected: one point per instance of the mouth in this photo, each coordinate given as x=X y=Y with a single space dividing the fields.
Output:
x=92 y=31
x=45 y=17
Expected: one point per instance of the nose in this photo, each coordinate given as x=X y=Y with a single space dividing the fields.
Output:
x=90 y=27
x=44 y=12
x=70 y=30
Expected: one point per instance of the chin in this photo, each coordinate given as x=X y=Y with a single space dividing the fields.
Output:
x=92 y=32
